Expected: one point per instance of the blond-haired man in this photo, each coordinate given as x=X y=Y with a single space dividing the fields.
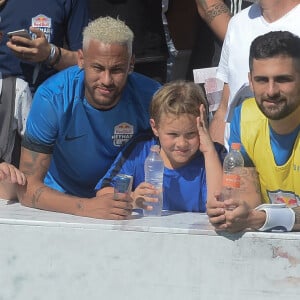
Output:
x=80 y=120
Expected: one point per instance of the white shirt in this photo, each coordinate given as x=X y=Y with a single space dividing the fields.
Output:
x=23 y=102
x=243 y=28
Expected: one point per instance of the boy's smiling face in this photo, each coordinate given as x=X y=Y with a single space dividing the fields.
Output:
x=179 y=138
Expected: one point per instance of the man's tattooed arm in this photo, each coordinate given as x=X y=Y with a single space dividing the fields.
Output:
x=250 y=187
x=35 y=166
x=216 y=14
x=216 y=10
x=36 y=196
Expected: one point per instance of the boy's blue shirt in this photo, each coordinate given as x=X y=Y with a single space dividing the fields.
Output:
x=184 y=189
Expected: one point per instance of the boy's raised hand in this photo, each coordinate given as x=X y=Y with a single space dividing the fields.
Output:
x=206 y=143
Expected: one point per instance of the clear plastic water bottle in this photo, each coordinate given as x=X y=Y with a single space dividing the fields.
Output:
x=154 y=172
x=232 y=171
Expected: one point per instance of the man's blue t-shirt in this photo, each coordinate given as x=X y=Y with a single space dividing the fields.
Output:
x=62 y=21
x=84 y=141
x=184 y=189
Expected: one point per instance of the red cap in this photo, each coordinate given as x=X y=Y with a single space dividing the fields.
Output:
x=236 y=146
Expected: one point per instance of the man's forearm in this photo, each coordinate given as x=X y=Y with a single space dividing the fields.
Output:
x=45 y=198
x=36 y=194
x=257 y=219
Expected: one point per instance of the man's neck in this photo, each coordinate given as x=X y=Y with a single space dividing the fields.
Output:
x=276 y=10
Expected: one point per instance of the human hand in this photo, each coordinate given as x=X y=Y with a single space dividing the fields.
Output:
x=242 y=216
x=223 y=216
x=35 y=50
x=206 y=143
x=107 y=206
x=10 y=174
x=215 y=210
x=141 y=195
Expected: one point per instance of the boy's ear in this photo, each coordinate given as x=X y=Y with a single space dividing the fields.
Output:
x=152 y=124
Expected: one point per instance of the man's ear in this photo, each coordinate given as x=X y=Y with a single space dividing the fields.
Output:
x=153 y=126
x=250 y=81
x=131 y=64
x=80 y=59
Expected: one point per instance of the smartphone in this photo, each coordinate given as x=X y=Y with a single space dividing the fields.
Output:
x=21 y=32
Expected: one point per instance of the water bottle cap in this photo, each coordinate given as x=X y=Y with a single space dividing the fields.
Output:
x=155 y=148
x=235 y=146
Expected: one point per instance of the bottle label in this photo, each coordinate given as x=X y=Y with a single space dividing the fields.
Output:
x=231 y=180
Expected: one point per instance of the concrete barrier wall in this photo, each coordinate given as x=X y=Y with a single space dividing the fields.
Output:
x=46 y=255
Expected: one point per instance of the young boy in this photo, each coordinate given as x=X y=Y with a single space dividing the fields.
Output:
x=10 y=176
x=193 y=170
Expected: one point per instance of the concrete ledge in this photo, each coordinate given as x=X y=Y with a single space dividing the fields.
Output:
x=46 y=255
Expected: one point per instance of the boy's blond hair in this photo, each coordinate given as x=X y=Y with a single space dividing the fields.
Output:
x=177 y=98
x=108 y=31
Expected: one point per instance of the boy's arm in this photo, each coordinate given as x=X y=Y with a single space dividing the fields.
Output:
x=213 y=167
x=216 y=14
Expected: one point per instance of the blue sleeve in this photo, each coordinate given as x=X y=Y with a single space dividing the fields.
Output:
x=121 y=165
x=235 y=135
x=130 y=161
x=77 y=20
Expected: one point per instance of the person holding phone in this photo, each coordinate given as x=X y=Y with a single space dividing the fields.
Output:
x=55 y=28
x=27 y=59
x=21 y=32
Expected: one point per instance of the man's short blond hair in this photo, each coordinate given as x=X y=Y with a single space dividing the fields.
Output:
x=108 y=31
